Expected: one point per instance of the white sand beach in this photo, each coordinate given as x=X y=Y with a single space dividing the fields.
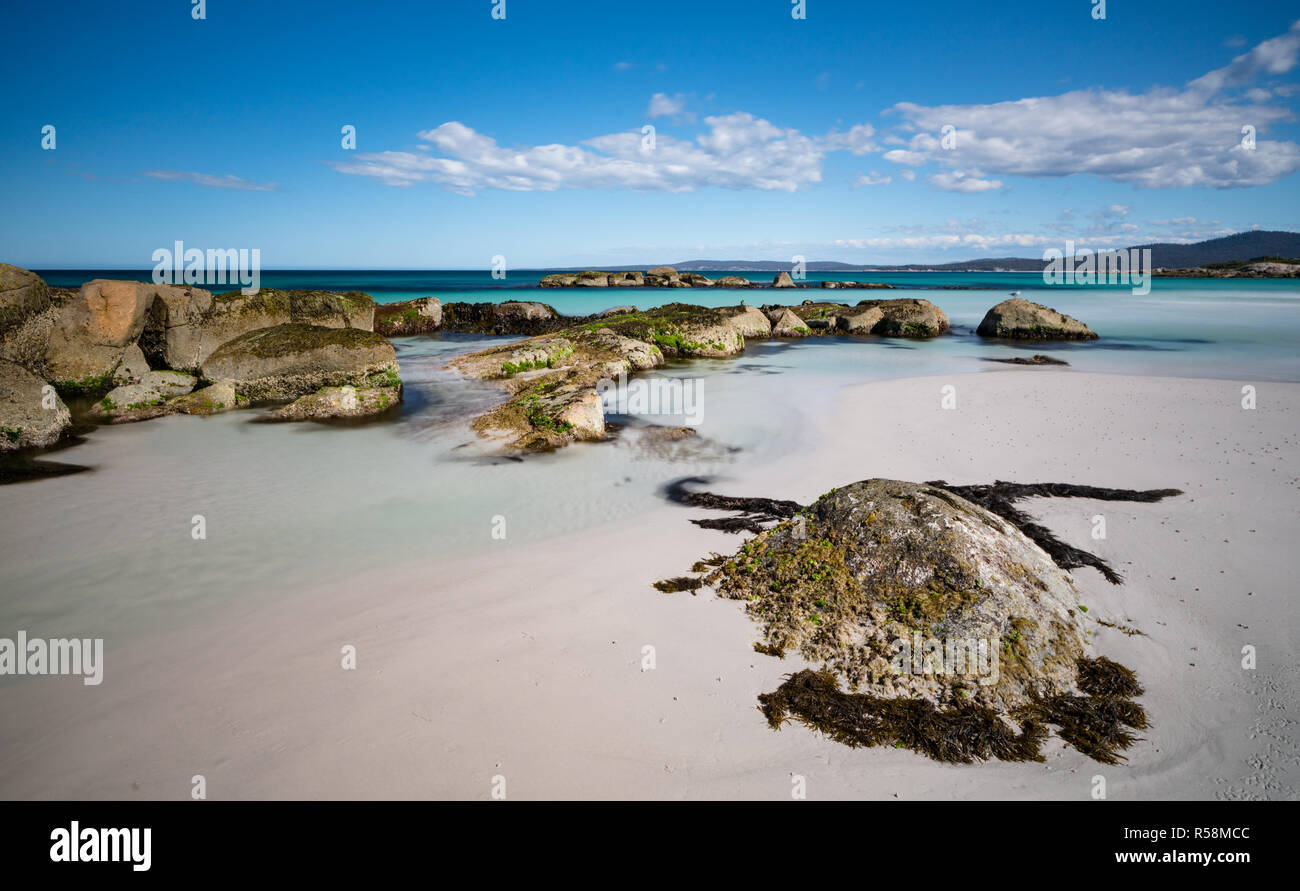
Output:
x=528 y=665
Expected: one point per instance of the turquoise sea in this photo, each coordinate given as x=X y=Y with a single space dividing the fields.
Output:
x=1221 y=328
x=294 y=505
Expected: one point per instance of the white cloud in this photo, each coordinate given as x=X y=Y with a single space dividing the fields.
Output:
x=902 y=156
x=1162 y=138
x=874 y=178
x=663 y=105
x=909 y=175
x=961 y=181
x=734 y=151
x=208 y=180
x=857 y=140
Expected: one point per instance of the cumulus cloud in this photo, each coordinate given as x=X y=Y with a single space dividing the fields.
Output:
x=857 y=140
x=874 y=178
x=208 y=180
x=966 y=182
x=734 y=151
x=1162 y=138
x=663 y=106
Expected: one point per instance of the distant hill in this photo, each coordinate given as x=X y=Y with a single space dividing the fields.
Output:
x=1242 y=246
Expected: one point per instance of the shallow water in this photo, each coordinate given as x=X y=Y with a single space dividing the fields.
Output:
x=110 y=552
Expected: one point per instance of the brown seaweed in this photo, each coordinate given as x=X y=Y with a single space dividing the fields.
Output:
x=1098 y=724
x=999 y=498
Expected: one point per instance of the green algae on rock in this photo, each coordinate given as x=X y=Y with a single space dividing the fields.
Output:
x=953 y=632
x=288 y=361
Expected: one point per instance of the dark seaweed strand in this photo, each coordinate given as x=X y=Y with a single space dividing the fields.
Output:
x=1095 y=724
x=958 y=735
x=999 y=498
x=754 y=514
x=680 y=583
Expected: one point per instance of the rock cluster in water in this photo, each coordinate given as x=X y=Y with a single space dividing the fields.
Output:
x=140 y=350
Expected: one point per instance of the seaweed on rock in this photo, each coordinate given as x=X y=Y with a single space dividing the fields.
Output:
x=1000 y=498
x=754 y=514
x=959 y=735
x=1095 y=724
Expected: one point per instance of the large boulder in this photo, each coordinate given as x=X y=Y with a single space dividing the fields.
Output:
x=23 y=294
x=592 y=279
x=860 y=319
x=881 y=566
x=1024 y=320
x=783 y=280
x=664 y=277
x=907 y=318
x=288 y=361
x=510 y=317
x=889 y=318
x=236 y=313
x=748 y=321
x=788 y=324
x=31 y=416
x=406 y=317
x=733 y=281
x=28 y=313
x=95 y=328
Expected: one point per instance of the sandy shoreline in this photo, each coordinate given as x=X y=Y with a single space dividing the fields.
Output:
x=530 y=666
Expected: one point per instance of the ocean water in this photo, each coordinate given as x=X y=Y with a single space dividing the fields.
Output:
x=110 y=552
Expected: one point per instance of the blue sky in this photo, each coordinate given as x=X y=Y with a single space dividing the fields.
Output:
x=523 y=137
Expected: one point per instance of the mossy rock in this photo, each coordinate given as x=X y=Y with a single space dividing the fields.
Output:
x=879 y=562
x=288 y=361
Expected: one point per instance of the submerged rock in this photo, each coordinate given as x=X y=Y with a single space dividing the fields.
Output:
x=855 y=285
x=1021 y=319
x=143 y=400
x=733 y=281
x=1036 y=359
x=212 y=399
x=30 y=415
x=340 y=402
x=288 y=361
x=907 y=317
